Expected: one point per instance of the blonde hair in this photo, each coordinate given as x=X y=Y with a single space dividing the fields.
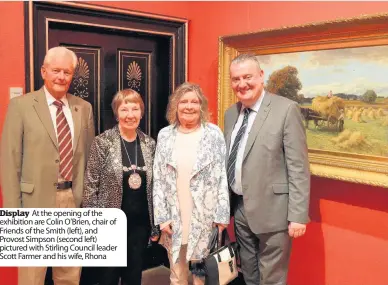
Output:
x=59 y=51
x=127 y=96
x=173 y=101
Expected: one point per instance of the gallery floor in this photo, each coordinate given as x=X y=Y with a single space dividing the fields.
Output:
x=161 y=276
x=156 y=270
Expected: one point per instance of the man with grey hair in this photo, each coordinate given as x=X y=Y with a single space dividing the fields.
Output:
x=45 y=143
x=268 y=174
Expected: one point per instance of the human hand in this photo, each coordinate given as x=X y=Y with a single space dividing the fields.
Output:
x=296 y=229
x=167 y=229
x=221 y=227
x=154 y=238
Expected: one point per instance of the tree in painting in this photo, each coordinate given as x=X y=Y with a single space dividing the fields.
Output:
x=285 y=82
x=369 y=96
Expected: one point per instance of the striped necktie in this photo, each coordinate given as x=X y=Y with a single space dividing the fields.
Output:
x=64 y=144
x=235 y=147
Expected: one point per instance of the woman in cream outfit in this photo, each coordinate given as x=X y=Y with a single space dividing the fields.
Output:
x=190 y=191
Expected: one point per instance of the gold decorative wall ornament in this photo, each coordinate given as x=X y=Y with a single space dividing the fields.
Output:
x=81 y=79
x=134 y=75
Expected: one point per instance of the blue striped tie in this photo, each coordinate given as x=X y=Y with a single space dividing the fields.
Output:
x=236 y=144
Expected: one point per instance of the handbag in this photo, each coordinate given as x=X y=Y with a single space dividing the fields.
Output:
x=155 y=255
x=220 y=266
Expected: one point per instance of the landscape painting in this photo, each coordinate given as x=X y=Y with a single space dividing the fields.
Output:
x=337 y=71
x=343 y=95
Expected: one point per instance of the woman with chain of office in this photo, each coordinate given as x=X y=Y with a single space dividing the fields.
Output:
x=119 y=175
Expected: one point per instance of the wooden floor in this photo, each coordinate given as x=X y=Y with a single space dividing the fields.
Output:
x=155 y=270
x=155 y=276
x=158 y=275
x=161 y=276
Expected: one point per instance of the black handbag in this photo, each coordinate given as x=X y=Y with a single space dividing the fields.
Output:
x=220 y=266
x=155 y=255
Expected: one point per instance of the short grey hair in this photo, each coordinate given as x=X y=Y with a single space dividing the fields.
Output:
x=245 y=57
x=172 y=108
x=59 y=51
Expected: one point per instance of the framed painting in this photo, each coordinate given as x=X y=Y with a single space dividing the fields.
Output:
x=337 y=72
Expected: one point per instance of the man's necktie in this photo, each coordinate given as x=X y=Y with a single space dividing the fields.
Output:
x=64 y=143
x=235 y=147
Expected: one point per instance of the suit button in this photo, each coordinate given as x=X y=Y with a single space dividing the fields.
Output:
x=55 y=184
x=57 y=160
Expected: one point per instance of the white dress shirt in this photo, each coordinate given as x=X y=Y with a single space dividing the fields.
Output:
x=237 y=186
x=53 y=112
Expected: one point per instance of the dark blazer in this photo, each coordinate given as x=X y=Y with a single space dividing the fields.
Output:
x=275 y=170
x=103 y=185
x=30 y=154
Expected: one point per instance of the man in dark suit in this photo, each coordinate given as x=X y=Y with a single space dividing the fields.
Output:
x=45 y=143
x=268 y=174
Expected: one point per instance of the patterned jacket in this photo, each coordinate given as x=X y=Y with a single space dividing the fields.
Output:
x=103 y=183
x=208 y=186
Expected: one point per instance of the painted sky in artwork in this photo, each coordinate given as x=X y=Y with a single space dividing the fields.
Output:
x=350 y=70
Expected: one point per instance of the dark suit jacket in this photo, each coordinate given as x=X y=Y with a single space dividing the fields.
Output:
x=275 y=170
x=104 y=174
x=29 y=151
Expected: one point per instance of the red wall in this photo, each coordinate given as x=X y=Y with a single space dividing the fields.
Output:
x=347 y=240
x=11 y=75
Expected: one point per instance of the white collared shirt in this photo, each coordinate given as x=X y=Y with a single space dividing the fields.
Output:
x=53 y=112
x=237 y=186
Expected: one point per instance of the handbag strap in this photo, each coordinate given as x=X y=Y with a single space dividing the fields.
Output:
x=213 y=241
x=217 y=240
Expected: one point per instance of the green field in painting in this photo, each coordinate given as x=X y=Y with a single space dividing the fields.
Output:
x=374 y=134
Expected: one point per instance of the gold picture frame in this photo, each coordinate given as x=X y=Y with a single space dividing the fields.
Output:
x=366 y=31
